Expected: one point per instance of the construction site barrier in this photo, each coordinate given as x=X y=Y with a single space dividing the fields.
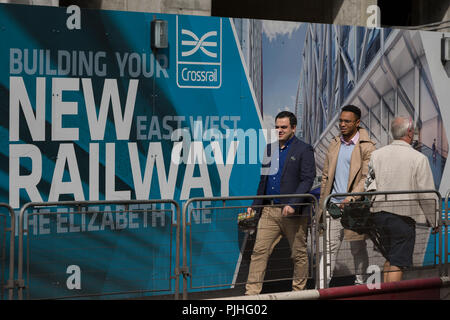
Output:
x=434 y=204
x=224 y=211
x=95 y=251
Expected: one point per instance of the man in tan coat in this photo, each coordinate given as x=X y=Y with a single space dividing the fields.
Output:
x=344 y=171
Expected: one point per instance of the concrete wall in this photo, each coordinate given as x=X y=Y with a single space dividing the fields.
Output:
x=54 y=3
x=344 y=12
x=424 y=13
x=351 y=12
x=191 y=7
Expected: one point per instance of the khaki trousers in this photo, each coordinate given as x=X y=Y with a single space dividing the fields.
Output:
x=271 y=226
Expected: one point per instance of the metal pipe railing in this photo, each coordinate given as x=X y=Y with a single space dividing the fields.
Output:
x=182 y=269
x=11 y=283
x=447 y=195
x=386 y=193
x=185 y=267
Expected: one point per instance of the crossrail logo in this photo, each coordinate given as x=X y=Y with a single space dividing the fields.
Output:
x=199 y=53
x=198 y=43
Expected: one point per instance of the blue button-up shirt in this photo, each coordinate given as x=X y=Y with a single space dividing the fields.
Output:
x=342 y=172
x=276 y=168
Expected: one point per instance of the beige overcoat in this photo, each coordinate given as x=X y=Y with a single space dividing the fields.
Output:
x=358 y=171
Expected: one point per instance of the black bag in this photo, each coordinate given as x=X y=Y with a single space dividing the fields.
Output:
x=357 y=217
x=354 y=216
x=334 y=211
x=248 y=222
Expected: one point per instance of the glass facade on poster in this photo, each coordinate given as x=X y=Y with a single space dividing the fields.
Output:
x=249 y=32
x=382 y=71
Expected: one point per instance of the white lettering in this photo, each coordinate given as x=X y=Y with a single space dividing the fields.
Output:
x=74 y=280
x=66 y=154
x=27 y=182
x=60 y=108
x=74 y=21
x=110 y=94
x=110 y=176
x=19 y=97
x=196 y=156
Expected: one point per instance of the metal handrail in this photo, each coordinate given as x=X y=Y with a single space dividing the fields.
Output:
x=88 y=203
x=386 y=193
x=185 y=267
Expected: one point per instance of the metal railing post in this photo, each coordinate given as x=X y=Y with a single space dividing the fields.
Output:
x=445 y=225
x=184 y=268
x=20 y=252
x=318 y=255
x=325 y=253
x=439 y=234
x=177 y=251
x=10 y=284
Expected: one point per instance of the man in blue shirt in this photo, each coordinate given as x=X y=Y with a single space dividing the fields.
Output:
x=292 y=171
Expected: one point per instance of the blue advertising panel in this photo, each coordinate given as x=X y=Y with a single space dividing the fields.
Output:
x=92 y=112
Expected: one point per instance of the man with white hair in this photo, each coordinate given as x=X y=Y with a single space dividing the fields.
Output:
x=398 y=167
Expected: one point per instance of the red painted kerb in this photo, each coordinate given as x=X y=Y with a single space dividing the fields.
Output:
x=402 y=290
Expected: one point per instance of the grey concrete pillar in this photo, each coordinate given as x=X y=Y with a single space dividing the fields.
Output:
x=351 y=12
x=425 y=12
x=53 y=3
x=193 y=7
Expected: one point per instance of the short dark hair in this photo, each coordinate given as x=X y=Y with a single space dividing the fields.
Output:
x=288 y=114
x=354 y=109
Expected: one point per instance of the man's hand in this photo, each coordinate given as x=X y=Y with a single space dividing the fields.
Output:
x=343 y=202
x=249 y=210
x=287 y=211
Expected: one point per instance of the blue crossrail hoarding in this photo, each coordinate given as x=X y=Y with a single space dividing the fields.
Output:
x=94 y=110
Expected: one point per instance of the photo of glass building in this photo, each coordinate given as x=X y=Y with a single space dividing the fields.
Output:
x=382 y=71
